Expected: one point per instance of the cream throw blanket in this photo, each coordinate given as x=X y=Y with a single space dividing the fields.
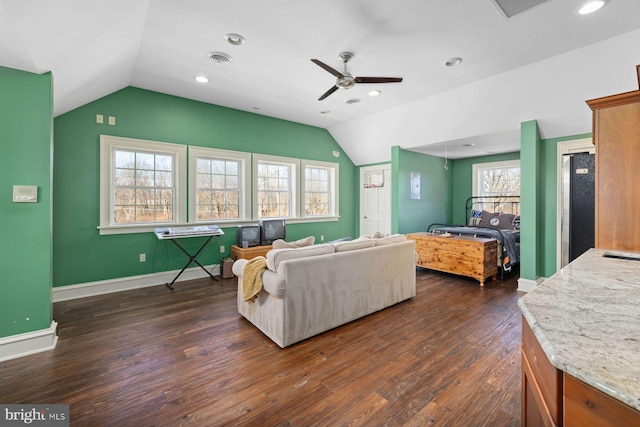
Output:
x=252 y=278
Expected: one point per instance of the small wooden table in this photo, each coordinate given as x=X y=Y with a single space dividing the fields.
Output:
x=241 y=253
x=468 y=256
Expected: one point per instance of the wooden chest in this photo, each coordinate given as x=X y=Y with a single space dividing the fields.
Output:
x=473 y=257
x=248 y=253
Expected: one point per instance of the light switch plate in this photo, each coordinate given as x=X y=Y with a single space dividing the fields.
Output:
x=25 y=194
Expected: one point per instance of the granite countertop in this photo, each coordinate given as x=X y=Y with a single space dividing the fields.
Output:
x=587 y=320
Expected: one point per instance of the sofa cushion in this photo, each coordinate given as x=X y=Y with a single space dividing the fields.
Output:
x=276 y=256
x=281 y=244
x=354 y=245
x=388 y=240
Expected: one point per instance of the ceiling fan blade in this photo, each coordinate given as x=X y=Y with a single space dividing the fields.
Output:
x=378 y=79
x=326 y=67
x=327 y=93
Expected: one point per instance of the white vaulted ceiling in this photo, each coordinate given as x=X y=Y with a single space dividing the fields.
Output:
x=540 y=64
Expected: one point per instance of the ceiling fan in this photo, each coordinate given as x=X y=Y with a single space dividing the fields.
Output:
x=346 y=80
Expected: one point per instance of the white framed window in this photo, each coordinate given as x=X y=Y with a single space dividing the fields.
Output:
x=320 y=189
x=142 y=184
x=219 y=185
x=497 y=178
x=275 y=186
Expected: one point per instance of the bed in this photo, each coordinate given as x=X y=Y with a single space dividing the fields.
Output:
x=493 y=217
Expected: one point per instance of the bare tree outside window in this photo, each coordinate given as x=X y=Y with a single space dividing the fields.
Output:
x=274 y=190
x=317 y=191
x=217 y=189
x=500 y=181
x=144 y=188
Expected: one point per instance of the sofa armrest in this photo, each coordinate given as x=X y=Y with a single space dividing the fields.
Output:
x=274 y=283
x=238 y=266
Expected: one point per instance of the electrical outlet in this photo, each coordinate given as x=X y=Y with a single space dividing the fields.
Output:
x=221 y=249
x=322 y=237
x=143 y=257
x=99 y=118
x=112 y=120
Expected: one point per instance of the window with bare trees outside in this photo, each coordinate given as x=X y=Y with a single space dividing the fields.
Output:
x=275 y=179
x=497 y=179
x=140 y=183
x=320 y=198
x=219 y=187
x=146 y=184
x=143 y=187
x=294 y=188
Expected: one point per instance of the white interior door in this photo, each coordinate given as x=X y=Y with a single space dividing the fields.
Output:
x=375 y=199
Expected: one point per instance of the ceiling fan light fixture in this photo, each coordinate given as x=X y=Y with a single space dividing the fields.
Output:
x=219 y=57
x=234 y=39
x=346 y=82
x=591 y=6
x=453 y=61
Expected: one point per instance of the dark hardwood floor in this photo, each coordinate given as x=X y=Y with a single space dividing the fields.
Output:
x=450 y=356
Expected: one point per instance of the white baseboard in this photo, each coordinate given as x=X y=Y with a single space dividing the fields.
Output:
x=82 y=290
x=527 y=285
x=28 y=343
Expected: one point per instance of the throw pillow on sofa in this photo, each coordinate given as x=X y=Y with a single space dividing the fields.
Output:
x=281 y=244
x=276 y=256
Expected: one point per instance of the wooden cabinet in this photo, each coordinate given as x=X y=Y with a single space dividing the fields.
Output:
x=586 y=406
x=550 y=397
x=616 y=134
x=541 y=384
x=467 y=256
x=241 y=253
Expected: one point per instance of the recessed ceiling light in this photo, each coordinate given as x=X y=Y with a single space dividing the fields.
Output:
x=201 y=79
x=375 y=93
x=471 y=144
x=325 y=112
x=453 y=62
x=256 y=108
x=591 y=6
x=234 y=39
x=352 y=101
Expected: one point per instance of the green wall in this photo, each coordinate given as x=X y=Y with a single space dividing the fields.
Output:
x=436 y=183
x=530 y=201
x=549 y=202
x=81 y=255
x=463 y=181
x=26 y=118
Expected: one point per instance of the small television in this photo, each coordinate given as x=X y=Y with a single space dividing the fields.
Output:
x=270 y=230
x=249 y=234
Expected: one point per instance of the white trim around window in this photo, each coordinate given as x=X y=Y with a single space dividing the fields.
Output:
x=108 y=146
x=333 y=179
x=244 y=177
x=293 y=167
x=477 y=167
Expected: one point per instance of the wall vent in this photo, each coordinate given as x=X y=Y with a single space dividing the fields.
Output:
x=510 y=8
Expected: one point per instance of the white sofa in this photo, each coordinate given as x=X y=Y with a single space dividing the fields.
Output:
x=312 y=289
